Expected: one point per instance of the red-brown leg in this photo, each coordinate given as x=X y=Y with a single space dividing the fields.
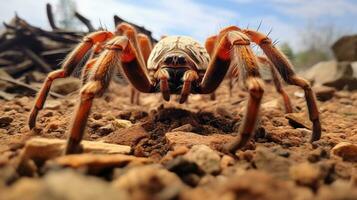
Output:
x=130 y=32
x=116 y=50
x=145 y=47
x=234 y=45
x=286 y=71
x=163 y=75
x=221 y=58
x=41 y=97
x=189 y=77
x=69 y=64
x=133 y=64
x=87 y=69
x=137 y=98
x=134 y=96
x=255 y=88
x=210 y=45
x=277 y=83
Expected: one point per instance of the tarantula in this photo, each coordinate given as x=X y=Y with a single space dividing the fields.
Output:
x=176 y=65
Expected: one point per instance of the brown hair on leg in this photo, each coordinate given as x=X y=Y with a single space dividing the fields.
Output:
x=286 y=71
x=69 y=64
x=277 y=83
x=249 y=74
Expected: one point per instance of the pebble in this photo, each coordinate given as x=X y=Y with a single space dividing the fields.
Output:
x=347 y=151
x=205 y=157
x=265 y=159
x=5 y=121
x=149 y=182
x=122 y=123
x=298 y=120
x=188 y=171
x=105 y=130
x=52 y=104
x=185 y=128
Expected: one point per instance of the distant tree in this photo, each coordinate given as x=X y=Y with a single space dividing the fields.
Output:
x=316 y=40
x=65 y=12
x=287 y=50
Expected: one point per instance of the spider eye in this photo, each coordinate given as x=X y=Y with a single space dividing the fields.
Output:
x=168 y=60
x=181 y=60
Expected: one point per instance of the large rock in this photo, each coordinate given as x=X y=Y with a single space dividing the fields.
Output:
x=62 y=185
x=44 y=148
x=38 y=150
x=345 y=49
x=150 y=182
x=333 y=74
x=96 y=163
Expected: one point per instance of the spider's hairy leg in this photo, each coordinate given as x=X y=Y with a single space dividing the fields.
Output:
x=145 y=46
x=210 y=45
x=116 y=50
x=189 y=77
x=234 y=45
x=134 y=66
x=163 y=75
x=247 y=63
x=87 y=69
x=220 y=59
x=69 y=64
x=134 y=96
x=277 y=83
x=130 y=32
x=285 y=69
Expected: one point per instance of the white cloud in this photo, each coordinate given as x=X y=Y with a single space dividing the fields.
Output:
x=309 y=8
x=198 y=20
x=34 y=11
x=163 y=17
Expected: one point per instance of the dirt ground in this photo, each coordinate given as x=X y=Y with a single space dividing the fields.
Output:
x=278 y=163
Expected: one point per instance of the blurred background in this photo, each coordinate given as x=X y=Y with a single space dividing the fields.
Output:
x=305 y=30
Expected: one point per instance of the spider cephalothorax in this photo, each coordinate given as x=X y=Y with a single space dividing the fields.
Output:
x=177 y=65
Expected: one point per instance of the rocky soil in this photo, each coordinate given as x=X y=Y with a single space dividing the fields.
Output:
x=160 y=150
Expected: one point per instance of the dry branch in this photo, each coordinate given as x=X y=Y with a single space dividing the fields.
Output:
x=51 y=17
x=85 y=21
x=32 y=88
x=37 y=60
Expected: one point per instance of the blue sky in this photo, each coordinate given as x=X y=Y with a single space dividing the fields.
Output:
x=200 y=19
